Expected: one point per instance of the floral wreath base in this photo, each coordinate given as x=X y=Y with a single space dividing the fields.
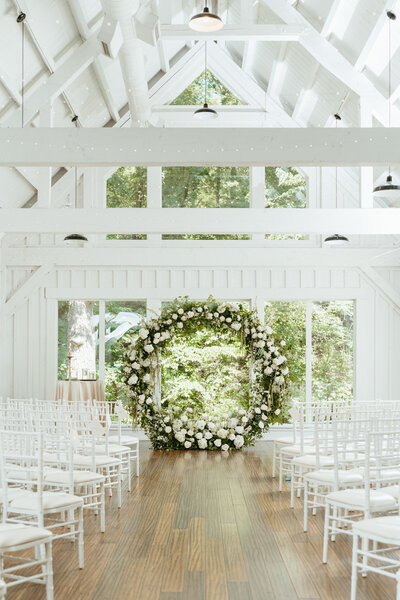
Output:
x=168 y=430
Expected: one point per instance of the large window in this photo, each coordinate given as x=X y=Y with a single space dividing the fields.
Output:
x=217 y=93
x=121 y=318
x=93 y=335
x=127 y=188
x=205 y=187
x=285 y=188
x=78 y=336
x=319 y=346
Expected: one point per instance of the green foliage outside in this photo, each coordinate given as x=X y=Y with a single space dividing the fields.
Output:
x=285 y=188
x=127 y=188
x=207 y=371
x=288 y=321
x=332 y=346
x=217 y=93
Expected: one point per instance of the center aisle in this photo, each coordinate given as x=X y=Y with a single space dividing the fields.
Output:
x=206 y=526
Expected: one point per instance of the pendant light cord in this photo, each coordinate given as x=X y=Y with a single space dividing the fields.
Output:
x=391 y=17
x=76 y=186
x=21 y=19
x=205 y=72
x=338 y=118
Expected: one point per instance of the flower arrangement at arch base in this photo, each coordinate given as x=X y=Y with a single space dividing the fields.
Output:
x=176 y=428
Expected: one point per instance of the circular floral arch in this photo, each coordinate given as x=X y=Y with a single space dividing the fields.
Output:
x=169 y=429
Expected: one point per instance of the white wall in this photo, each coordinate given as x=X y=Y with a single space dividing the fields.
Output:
x=31 y=332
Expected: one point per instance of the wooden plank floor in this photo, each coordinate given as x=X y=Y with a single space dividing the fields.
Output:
x=205 y=526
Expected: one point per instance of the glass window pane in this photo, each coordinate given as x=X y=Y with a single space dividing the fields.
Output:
x=121 y=318
x=205 y=187
x=127 y=188
x=78 y=323
x=288 y=321
x=217 y=93
x=285 y=187
x=332 y=350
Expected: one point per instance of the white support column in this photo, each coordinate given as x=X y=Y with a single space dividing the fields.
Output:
x=153 y=306
x=154 y=194
x=44 y=189
x=308 y=353
x=50 y=338
x=3 y=337
x=366 y=173
x=257 y=194
x=102 y=333
x=258 y=304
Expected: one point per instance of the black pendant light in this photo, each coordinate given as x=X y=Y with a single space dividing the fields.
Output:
x=389 y=190
x=206 y=21
x=337 y=239
x=205 y=113
x=75 y=239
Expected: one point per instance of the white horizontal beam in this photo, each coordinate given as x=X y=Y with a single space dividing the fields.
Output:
x=234 y=293
x=262 y=33
x=385 y=221
x=176 y=146
x=243 y=254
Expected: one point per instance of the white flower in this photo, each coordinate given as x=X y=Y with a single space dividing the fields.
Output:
x=146 y=378
x=216 y=315
x=179 y=325
x=190 y=314
x=202 y=444
x=132 y=355
x=222 y=318
x=198 y=435
x=166 y=419
x=169 y=322
x=277 y=411
x=190 y=432
x=200 y=424
x=135 y=365
x=268 y=371
x=168 y=429
x=264 y=407
x=231 y=436
x=146 y=363
x=229 y=320
x=175 y=316
x=156 y=340
x=257 y=410
x=209 y=316
x=149 y=348
x=236 y=326
x=222 y=433
x=239 y=441
x=268 y=330
x=225 y=447
x=180 y=437
x=285 y=371
x=241 y=412
x=221 y=309
x=208 y=435
x=184 y=419
x=149 y=401
x=217 y=443
x=260 y=344
x=244 y=419
x=180 y=311
x=143 y=333
x=127 y=370
x=283 y=343
x=188 y=444
x=141 y=398
x=240 y=429
x=199 y=309
x=211 y=426
x=132 y=380
x=261 y=424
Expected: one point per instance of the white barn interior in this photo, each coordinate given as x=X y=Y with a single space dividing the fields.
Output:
x=292 y=65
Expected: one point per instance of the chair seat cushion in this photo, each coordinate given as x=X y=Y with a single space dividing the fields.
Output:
x=15 y=534
x=129 y=439
x=51 y=500
x=84 y=460
x=59 y=476
x=328 y=476
x=112 y=449
x=296 y=449
x=12 y=493
x=310 y=460
x=382 y=527
x=355 y=498
x=393 y=490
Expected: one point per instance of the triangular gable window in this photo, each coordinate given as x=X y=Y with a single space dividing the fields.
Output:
x=217 y=93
